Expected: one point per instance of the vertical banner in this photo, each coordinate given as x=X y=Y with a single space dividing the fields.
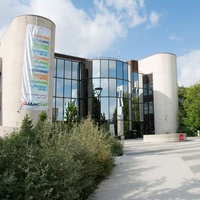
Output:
x=36 y=68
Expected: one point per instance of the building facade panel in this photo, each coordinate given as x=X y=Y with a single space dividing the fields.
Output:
x=165 y=90
x=14 y=41
x=137 y=97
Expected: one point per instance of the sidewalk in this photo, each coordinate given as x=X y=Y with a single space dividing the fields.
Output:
x=154 y=171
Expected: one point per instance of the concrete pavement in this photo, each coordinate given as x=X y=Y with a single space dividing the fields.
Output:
x=154 y=171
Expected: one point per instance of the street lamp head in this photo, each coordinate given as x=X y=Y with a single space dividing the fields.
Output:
x=98 y=90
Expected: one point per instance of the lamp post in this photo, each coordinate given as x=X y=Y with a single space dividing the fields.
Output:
x=98 y=91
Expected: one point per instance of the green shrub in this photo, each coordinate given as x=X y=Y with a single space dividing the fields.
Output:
x=51 y=161
x=116 y=147
x=91 y=146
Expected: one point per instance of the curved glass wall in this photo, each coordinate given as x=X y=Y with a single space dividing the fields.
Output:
x=112 y=105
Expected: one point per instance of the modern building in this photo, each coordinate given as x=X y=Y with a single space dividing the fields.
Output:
x=137 y=97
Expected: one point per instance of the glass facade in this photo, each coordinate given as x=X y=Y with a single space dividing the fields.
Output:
x=148 y=104
x=112 y=76
x=122 y=105
x=68 y=82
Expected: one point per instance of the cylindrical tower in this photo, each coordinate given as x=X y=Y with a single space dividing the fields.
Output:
x=27 y=52
x=165 y=90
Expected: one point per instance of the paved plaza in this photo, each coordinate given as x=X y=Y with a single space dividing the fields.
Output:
x=154 y=171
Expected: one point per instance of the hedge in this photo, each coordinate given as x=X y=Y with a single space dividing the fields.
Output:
x=53 y=161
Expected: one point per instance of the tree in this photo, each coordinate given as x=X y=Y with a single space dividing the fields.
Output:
x=182 y=114
x=26 y=127
x=189 y=116
x=42 y=116
x=71 y=114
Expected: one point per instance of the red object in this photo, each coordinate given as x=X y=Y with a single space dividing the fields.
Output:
x=181 y=137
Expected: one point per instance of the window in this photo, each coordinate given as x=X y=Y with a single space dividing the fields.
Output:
x=67 y=69
x=119 y=70
x=112 y=87
x=151 y=107
x=112 y=68
x=59 y=88
x=104 y=68
x=96 y=68
x=125 y=66
x=145 y=107
x=75 y=70
x=150 y=88
x=145 y=90
x=67 y=91
x=60 y=68
x=104 y=85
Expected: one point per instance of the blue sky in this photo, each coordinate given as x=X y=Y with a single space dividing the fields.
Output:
x=125 y=29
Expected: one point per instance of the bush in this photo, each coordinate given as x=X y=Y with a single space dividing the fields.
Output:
x=51 y=161
x=116 y=147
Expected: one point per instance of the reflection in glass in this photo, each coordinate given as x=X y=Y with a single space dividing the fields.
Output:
x=60 y=68
x=145 y=107
x=125 y=87
x=120 y=111
x=150 y=88
x=59 y=88
x=59 y=106
x=134 y=77
x=74 y=89
x=145 y=89
x=119 y=82
x=112 y=87
x=112 y=108
x=96 y=83
x=135 y=92
x=104 y=68
x=135 y=109
x=96 y=68
x=68 y=69
x=135 y=80
x=151 y=107
x=112 y=68
x=74 y=70
x=104 y=84
x=66 y=103
x=119 y=70
x=104 y=109
x=125 y=66
x=67 y=92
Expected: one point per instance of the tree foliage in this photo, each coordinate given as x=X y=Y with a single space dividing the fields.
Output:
x=71 y=114
x=189 y=105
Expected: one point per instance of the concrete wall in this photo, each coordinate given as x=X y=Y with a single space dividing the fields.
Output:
x=172 y=137
x=165 y=90
x=12 y=54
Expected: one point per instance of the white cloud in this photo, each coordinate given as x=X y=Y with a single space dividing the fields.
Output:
x=78 y=32
x=189 y=68
x=174 y=38
x=9 y=9
x=132 y=11
x=154 y=19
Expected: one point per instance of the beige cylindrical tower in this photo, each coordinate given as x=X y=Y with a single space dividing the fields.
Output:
x=18 y=66
x=165 y=90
